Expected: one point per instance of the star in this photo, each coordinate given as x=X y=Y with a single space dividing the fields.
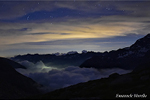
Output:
x=51 y=16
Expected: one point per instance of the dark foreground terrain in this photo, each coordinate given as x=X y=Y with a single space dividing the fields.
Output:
x=14 y=85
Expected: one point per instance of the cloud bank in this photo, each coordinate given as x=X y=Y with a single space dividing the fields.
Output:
x=52 y=78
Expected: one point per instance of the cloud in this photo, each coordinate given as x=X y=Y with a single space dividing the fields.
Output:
x=96 y=8
x=73 y=29
x=38 y=67
x=15 y=9
x=21 y=8
x=136 y=9
x=53 y=78
x=89 y=41
x=65 y=45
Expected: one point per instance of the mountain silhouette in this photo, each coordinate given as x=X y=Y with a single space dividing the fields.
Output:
x=61 y=61
x=126 y=58
x=14 y=85
x=143 y=43
x=12 y=63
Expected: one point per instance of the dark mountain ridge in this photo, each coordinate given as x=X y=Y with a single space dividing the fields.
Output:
x=14 y=85
x=11 y=63
x=126 y=58
x=69 y=59
x=143 y=43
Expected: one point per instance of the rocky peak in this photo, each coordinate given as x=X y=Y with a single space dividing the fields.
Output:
x=142 y=43
x=126 y=58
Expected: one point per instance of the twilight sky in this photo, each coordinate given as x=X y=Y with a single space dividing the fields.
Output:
x=71 y=25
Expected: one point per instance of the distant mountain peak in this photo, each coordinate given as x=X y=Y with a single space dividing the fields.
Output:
x=72 y=52
x=147 y=36
x=126 y=58
x=142 y=43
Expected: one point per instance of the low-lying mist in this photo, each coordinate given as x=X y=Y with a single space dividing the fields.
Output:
x=54 y=78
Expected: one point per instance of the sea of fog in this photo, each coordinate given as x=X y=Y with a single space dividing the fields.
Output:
x=54 y=78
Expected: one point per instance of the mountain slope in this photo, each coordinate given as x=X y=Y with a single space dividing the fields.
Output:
x=126 y=58
x=12 y=63
x=14 y=85
x=135 y=83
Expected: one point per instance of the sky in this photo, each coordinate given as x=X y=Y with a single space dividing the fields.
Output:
x=50 y=26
